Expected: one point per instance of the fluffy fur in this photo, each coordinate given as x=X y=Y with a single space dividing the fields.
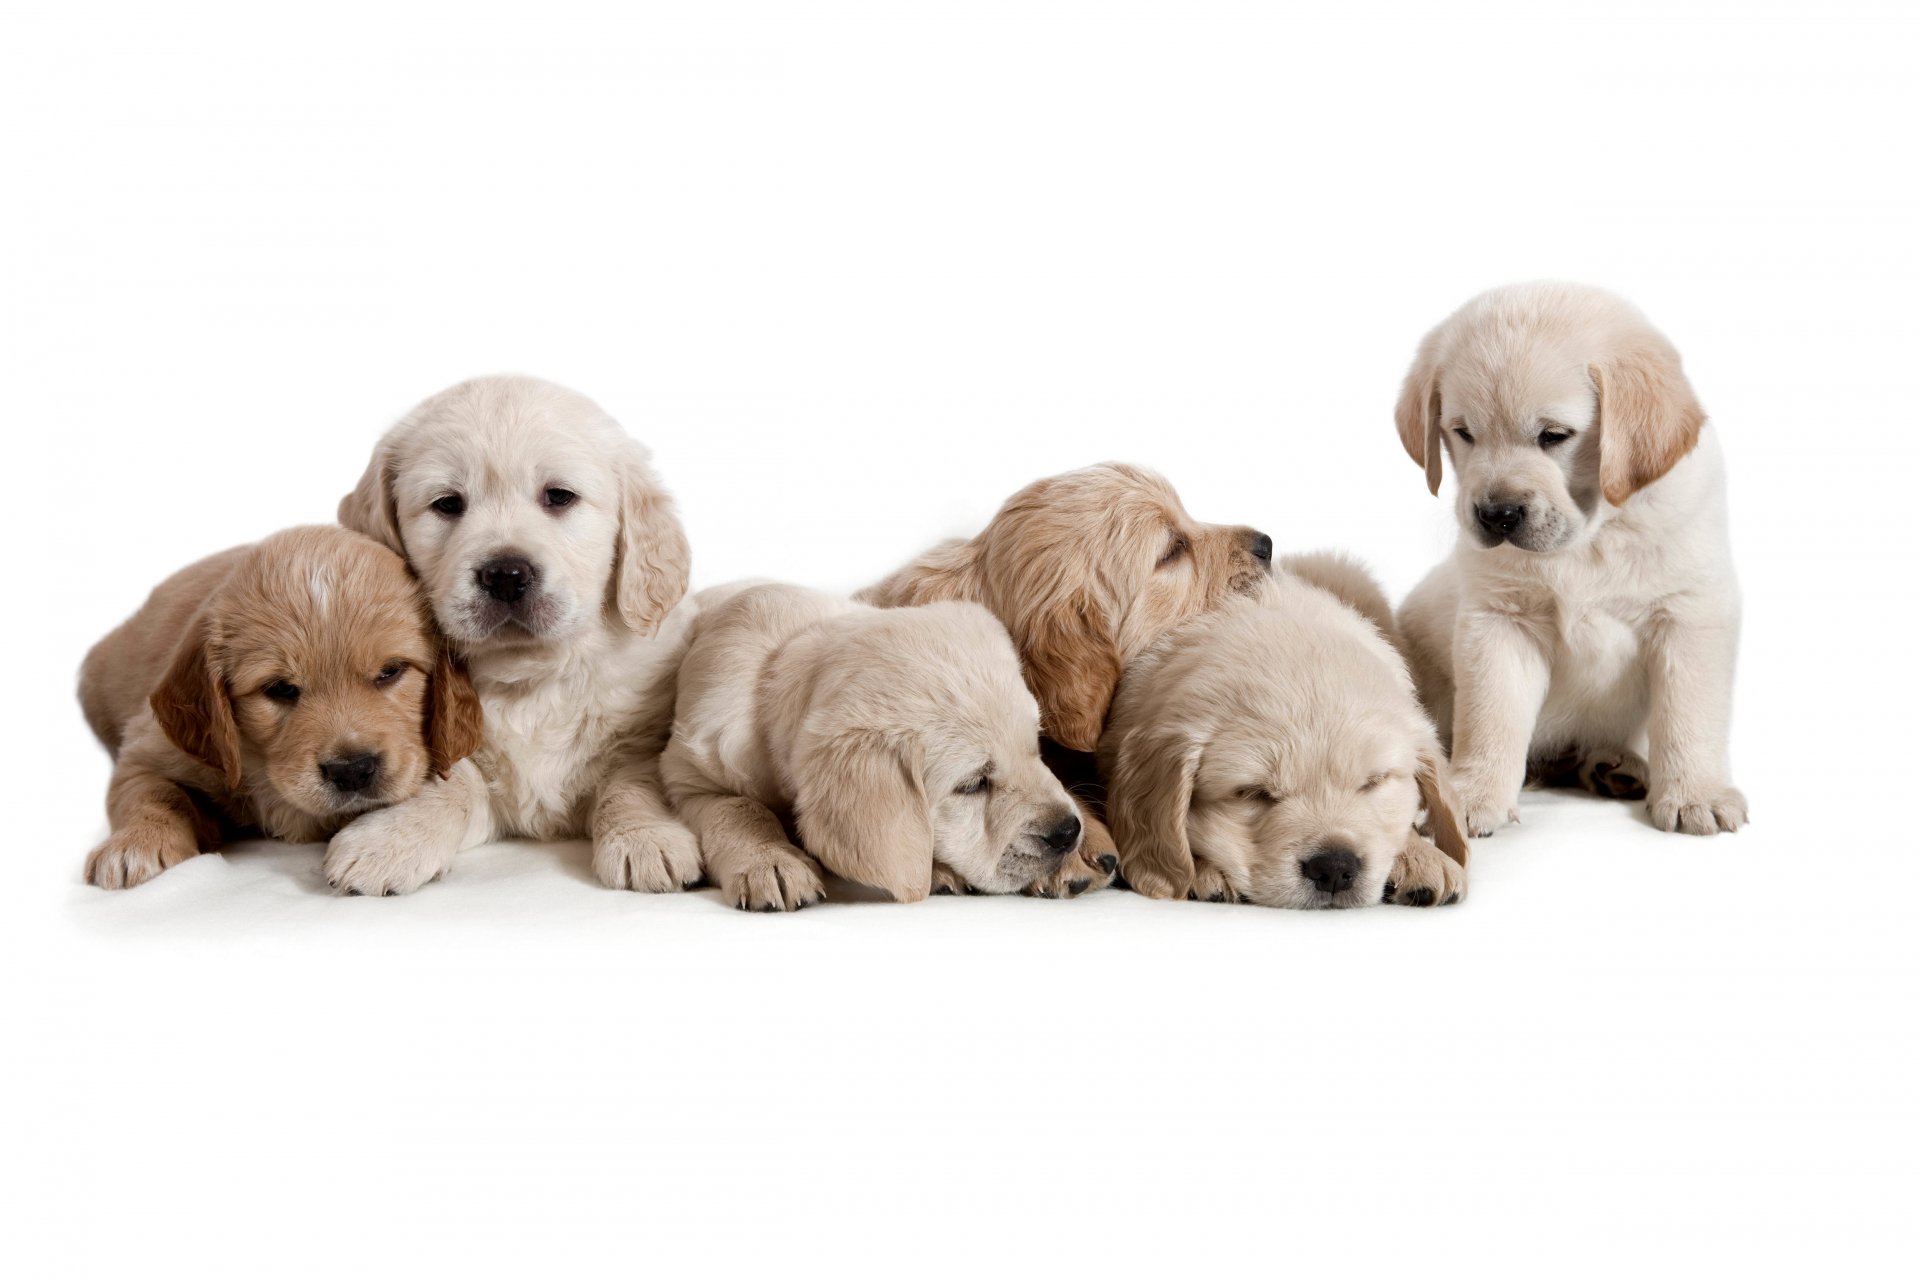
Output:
x=1589 y=611
x=1273 y=751
x=575 y=672
x=245 y=678
x=900 y=745
x=1086 y=570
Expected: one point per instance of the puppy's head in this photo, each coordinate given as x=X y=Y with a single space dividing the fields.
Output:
x=922 y=743
x=1087 y=569
x=313 y=678
x=528 y=514
x=1555 y=403
x=1283 y=744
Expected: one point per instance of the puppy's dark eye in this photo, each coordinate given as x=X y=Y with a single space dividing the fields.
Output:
x=1465 y=435
x=283 y=691
x=561 y=497
x=451 y=505
x=974 y=787
x=1554 y=436
x=1175 y=551
x=389 y=673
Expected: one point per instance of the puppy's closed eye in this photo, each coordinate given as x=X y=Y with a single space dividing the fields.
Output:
x=281 y=691
x=389 y=673
x=1552 y=436
x=977 y=786
x=1175 y=549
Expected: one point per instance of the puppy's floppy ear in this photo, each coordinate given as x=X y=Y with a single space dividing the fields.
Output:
x=191 y=703
x=1147 y=802
x=1072 y=665
x=369 y=509
x=1647 y=415
x=453 y=714
x=1418 y=417
x=1436 y=793
x=862 y=811
x=651 y=562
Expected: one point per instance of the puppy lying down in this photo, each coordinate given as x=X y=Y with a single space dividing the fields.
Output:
x=901 y=746
x=1273 y=751
x=284 y=688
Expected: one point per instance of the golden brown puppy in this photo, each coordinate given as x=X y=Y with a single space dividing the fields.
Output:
x=1086 y=570
x=283 y=687
x=1273 y=751
x=900 y=744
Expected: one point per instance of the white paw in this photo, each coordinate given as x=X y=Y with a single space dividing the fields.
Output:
x=660 y=858
x=1701 y=811
x=1483 y=810
x=1423 y=876
x=381 y=854
x=777 y=881
x=126 y=860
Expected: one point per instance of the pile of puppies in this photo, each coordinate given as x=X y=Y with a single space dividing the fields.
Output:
x=499 y=643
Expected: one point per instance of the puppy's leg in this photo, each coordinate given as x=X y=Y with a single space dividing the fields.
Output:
x=1500 y=682
x=1423 y=876
x=1210 y=884
x=638 y=843
x=1091 y=866
x=155 y=824
x=1690 y=679
x=1612 y=773
x=748 y=855
x=947 y=881
x=399 y=848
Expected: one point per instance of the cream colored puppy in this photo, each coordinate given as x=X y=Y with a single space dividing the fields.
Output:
x=1589 y=610
x=1273 y=751
x=553 y=562
x=900 y=744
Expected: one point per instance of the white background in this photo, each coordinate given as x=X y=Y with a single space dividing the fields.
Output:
x=856 y=276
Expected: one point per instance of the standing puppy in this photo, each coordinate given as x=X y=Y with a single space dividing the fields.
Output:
x=553 y=560
x=1589 y=608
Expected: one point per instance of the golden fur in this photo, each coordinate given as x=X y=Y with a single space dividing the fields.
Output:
x=1273 y=730
x=900 y=746
x=180 y=695
x=1589 y=634
x=1086 y=570
x=575 y=674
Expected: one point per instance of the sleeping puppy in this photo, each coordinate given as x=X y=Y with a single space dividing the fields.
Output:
x=552 y=559
x=1589 y=610
x=900 y=745
x=1273 y=751
x=1086 y=570
x=284 y=688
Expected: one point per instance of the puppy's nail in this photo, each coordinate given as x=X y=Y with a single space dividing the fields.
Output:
x=769 y=906
x=1421 y=897
x=1216 y=896
x=1451 y=898
x=943 y=891
x=353 y=893
x=1386 y=893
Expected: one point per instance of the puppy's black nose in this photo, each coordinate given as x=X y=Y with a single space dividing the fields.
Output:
x=1500 y=517
x=1331 y=869
x=1064 y=836
x=1262 y=547
x=351 y=773
x=505 y=579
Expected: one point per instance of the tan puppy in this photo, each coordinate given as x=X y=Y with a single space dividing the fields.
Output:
x=284 y=687
x=553 y=559
x=1086 y=570
x=1589 y=611
x=900 y=744
x=1273 y=751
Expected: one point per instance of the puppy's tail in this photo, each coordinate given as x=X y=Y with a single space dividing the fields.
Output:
x=1349 y=582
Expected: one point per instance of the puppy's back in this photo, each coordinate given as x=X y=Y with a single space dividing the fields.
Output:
x=120 y=672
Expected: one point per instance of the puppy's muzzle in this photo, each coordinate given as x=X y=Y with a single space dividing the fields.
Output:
x=1499 y=520
x=351 y=775
x=1332 y=869
x=1064 y=835
x=506 y=578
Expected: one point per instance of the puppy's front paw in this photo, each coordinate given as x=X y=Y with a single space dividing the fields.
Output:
x=1702 y=811
x=947 y=882
x=379 y=855
x=1080 y=872
x=132 y=858
x=781 y=881
x=1209 y=884
x=1483 y=809
x=1423 y=876
x=660 y=858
